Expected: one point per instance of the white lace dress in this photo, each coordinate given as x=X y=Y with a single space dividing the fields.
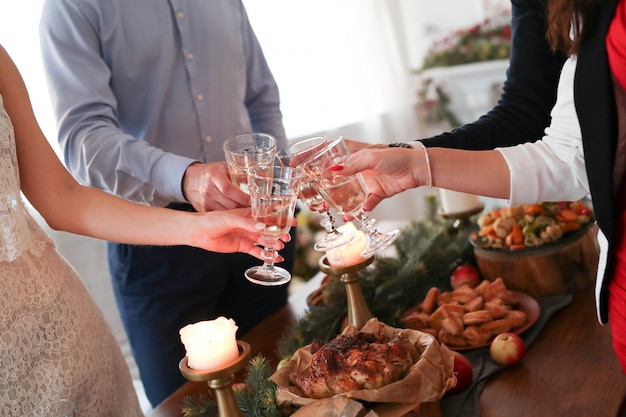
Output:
x=54 y=340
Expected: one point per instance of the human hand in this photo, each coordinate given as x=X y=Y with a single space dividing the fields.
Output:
x=386 y=171
x=208 y=187
x=229 y=231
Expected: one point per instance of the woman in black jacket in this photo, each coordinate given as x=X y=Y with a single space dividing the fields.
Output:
x=583 y=140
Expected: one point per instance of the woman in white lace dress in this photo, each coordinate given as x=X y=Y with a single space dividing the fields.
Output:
x=54 y=341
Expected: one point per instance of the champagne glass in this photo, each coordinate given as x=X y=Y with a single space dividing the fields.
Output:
x=294 y=155
x=245 y=150
x=273 y=194
x=346 y=194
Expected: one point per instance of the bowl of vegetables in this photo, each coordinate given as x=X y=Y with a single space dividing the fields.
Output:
x=541 y=249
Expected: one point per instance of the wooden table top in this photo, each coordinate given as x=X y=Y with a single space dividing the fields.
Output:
x=569 y=370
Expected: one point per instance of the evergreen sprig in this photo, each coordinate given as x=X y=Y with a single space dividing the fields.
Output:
x=256 y=397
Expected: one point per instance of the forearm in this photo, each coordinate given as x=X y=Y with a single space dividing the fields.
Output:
x=476 y=172
x=97 y=214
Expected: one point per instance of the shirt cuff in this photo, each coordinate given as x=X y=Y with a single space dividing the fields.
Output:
x=536 y=174
x=169 y=172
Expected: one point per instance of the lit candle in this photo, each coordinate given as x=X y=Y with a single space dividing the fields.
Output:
x=210 y=344
x=453 y=202
x=349 y=254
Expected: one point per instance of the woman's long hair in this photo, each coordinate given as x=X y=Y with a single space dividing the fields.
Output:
x=565 y=18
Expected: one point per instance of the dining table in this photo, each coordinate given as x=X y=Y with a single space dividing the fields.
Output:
x=569 y=369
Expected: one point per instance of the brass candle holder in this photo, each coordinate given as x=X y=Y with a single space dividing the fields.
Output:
x=358 y=311
x=221 y=380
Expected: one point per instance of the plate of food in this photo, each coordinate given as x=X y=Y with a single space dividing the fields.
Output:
x=532 y=227
x=377 y=364
x=526 y=304
x=469 y=318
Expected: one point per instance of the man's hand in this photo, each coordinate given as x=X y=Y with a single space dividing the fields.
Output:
x=207 y=187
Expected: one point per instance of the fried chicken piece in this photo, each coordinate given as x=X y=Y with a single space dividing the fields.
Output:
x=359 y=361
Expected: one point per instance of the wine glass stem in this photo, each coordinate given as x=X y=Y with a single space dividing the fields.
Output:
x=328 y=222
x=268 y=254
x=368 y=225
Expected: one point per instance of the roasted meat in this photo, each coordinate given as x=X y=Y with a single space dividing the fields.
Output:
x=357 y=361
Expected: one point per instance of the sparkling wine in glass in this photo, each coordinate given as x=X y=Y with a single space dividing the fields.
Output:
x=294 y=155
x=273 y=194
x=245 y=150
x=346 y=194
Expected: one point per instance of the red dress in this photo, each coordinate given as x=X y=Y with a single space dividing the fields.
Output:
x=616 y=48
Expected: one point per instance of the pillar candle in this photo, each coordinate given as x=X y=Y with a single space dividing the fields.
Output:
x=210 y=344
x=453 y=202
x=349 y=254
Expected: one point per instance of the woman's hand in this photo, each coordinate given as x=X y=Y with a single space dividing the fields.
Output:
x=232 y=231
x=387 y=171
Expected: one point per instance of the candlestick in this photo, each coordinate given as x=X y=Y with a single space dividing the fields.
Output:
x=358 y=311
x=221 y=380
x=350 y=253
x=210 y=344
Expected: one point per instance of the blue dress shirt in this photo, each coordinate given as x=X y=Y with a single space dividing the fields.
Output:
x=141 y=94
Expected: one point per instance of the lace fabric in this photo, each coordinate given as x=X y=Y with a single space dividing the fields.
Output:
x=16 y=237
x=54 y=340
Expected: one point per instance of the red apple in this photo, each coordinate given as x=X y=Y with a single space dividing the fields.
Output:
x=465 y=274
x=463 y=372
x=507 y=349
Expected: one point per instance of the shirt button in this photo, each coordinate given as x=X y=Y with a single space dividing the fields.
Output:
x=189 y=56
x=208 y=138
x=199 y=97
x=180 y=15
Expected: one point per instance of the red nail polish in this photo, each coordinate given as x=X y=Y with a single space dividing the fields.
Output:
x=336 y=168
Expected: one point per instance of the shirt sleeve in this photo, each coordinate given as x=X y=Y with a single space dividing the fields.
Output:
x=552 y=169
x=95 y=149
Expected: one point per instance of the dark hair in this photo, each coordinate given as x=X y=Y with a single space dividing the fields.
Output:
x=565 y=16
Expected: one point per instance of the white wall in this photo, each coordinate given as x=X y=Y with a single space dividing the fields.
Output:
x=19 y=31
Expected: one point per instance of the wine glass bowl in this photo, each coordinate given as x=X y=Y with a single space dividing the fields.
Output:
x=346 y=193
x=245 y=150
x=273 y=194
x=295 y=155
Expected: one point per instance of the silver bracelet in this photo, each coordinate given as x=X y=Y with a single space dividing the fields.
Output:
x=430 y=173
x=419 y=145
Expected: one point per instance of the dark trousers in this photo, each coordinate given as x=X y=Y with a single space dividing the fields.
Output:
x=159 y=290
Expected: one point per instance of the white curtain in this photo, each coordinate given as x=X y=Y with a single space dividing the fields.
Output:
x=337 y=62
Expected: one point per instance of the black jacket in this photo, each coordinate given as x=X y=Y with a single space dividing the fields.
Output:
x=597 y=114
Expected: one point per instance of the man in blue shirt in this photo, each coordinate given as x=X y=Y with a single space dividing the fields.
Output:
x=145 y=92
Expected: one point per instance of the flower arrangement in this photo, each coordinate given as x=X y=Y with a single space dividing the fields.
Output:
x=486 y=41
